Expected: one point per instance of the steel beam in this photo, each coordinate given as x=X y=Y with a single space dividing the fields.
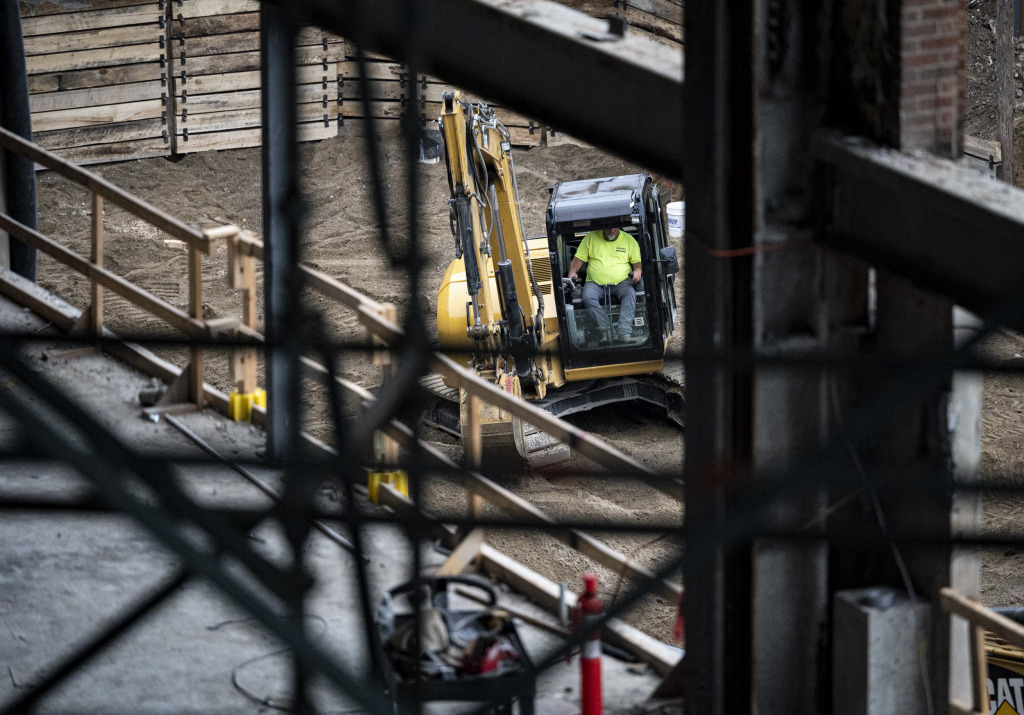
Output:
x=560 y=66
x=941 y=225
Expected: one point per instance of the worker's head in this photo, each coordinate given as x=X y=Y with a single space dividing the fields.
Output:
x=610 y=234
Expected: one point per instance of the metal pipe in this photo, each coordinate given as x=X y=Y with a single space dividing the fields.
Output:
x=260 y=484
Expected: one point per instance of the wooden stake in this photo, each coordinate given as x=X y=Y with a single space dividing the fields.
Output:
x=473 y=444
x=195 y=306
x=96 y=309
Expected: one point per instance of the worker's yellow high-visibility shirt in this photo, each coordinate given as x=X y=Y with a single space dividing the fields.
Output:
x=608 y=262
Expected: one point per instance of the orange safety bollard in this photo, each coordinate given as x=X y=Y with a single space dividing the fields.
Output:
x=589 y=610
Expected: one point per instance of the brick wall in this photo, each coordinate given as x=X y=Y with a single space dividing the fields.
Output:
x=932 y=83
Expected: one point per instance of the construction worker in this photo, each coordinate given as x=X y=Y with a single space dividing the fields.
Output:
x=612 y=257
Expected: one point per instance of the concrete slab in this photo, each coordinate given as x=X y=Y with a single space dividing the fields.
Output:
x=65 y=575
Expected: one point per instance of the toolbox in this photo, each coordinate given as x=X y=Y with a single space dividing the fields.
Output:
x=472 y=655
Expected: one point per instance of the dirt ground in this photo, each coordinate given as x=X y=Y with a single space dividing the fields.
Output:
x=340 y=238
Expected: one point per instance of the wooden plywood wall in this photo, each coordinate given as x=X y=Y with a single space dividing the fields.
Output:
x=111 y=80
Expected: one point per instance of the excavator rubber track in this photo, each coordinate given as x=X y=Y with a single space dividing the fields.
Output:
x=664 y=389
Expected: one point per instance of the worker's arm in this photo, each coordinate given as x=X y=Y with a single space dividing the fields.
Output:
x=574 y=267
x=636 y=272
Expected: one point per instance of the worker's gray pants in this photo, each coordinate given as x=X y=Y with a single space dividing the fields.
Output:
x=624 y=291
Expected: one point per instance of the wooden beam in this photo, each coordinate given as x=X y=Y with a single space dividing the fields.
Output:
x=160 y=308
x=463 y=555
x=972 y=610
x=248 y=42
x=217 y=7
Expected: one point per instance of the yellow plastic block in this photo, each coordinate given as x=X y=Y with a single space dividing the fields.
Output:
x=260 y=397
x=398 y=479
x=240 y=407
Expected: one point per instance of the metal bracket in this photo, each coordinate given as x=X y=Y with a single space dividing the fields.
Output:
x=184 y=96
x=163 y=99
x=327 y=120
x=163 y=60
x=184 y=77
x=163 y=118
x=184 y=133
x=166 y=138
x=184 y=115
x=161 y=38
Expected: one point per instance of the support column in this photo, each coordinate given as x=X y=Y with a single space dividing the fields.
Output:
x=281 y=216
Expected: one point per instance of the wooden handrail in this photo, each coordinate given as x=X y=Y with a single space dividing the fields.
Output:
x=114 y=194
x=160 y=308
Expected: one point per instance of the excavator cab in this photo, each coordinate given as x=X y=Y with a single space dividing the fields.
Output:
x=594 y=342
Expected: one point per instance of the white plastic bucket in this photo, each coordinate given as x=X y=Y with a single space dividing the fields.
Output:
x=676 y=218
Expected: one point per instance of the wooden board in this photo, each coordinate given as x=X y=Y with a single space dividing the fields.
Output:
x=669 y=24
x=66 y=7
x=196 y=65
x=101 y=134
x=199 y=123
x=97 y=77
x=116 y=151
x=349 y=70
x=238 y=81
x=104 y=57
x=250 y=99
x=203 y=8
x=194 y=27
x=150 y=32
x=239 y=139
x=243 y=42
x=89 y=116
x=96 y=96
x=90 y=19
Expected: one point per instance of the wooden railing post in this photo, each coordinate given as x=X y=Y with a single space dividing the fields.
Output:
x=195 y=306
x=96 y=256
x=473 y=441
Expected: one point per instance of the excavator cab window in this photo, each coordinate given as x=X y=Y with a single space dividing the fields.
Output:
x=610 y=325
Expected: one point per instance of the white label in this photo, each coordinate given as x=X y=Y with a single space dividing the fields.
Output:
x=592 y=649
x=638 y=321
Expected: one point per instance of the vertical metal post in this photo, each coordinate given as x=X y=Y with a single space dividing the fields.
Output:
x=718 y=175
x=282 y=214
x=280 y=228
x=17 y=174
x=96 y=256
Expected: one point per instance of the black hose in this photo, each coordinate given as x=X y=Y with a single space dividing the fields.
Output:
x=17 y=172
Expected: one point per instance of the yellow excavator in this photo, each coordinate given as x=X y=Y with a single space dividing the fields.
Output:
x=506 y=302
